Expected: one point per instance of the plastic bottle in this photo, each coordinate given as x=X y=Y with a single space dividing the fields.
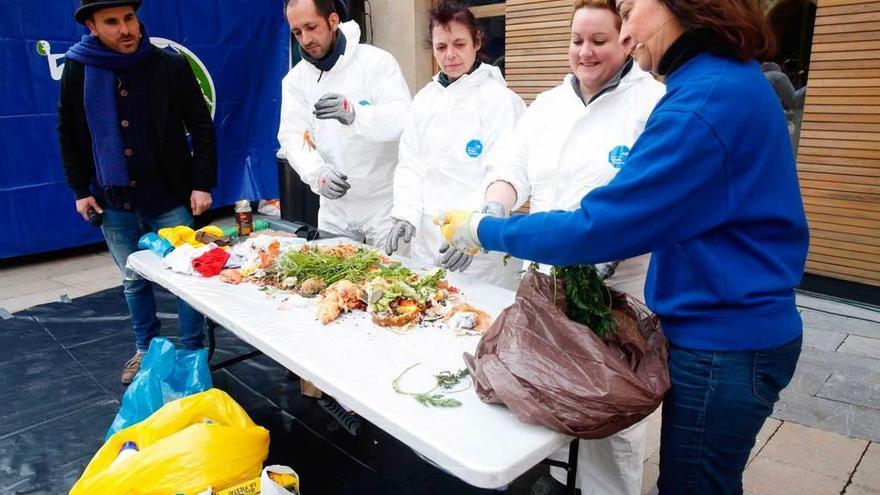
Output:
x=244 y=218
x=128 y=449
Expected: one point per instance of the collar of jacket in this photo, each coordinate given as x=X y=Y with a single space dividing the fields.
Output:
x=689 y=45
x=344 y=52
x=332 y=56
x=481 y=74
x=611 y=85
x=444 y=80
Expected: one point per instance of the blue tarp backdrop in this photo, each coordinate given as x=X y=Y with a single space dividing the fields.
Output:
x=239 y=50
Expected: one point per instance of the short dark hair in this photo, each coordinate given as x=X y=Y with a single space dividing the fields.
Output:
x=323 y=7
x=738 y=26
x=450 y=11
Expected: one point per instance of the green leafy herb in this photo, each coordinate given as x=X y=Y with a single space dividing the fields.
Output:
x=446 y=380
x=308 y=263
x=588 y=300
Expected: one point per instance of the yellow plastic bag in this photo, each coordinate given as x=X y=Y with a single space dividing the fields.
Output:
x=184 y=235
x=190 y=444
x=179 y=235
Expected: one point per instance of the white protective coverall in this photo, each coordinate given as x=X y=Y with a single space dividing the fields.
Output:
x=560 y=151
x=365 y=151
x=442 y=164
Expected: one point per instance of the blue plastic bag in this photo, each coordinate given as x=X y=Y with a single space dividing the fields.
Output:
x=166 y=374
x=156 y=244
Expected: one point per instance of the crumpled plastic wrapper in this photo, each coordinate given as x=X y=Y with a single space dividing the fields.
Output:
x=550 y=371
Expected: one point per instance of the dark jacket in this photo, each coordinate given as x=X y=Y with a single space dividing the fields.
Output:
x=178 y=107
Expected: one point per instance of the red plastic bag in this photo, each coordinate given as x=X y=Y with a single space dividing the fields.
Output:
x=550 y=371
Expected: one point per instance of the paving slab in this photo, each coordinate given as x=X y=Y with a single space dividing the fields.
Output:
x=94 y=281
x=833 y=391
x=819 y=451
x=771 y=426
x=832 y=305
x=861 y=346
x=47 y=269
x=803 y=460
x=823 y=339
x=30 y=287
x=835 y=322
x=844 y=419
x=861 y=490
x=769 y=476
x=857 y=390
x=18 y=303
x=867 y=475
x=814 y=367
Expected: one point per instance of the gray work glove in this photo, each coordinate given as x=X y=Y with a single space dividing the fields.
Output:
x=335 y=106
x=606 y=270
x=454 y=259
x=401 y=228
x=494 y=208
x=332 y=184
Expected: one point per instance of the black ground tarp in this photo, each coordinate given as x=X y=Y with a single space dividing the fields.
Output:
x=59 y=391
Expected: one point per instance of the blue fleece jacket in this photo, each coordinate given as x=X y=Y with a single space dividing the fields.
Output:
x=711 y=189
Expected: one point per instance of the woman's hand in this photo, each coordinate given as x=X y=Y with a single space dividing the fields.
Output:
x=459 y=229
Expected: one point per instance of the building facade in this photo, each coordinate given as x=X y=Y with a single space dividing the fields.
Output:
x=829 y=50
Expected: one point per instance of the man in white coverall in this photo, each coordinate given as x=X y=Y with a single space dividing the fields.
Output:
x=572 y=139
x=342 y=111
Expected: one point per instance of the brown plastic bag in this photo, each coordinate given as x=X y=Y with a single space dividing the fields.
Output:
x=551 y=371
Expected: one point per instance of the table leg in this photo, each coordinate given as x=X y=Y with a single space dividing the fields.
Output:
x=212 y=346
x=571 y=485
x=212 y=341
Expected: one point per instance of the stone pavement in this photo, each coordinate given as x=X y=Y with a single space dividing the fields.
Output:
x=823 y=437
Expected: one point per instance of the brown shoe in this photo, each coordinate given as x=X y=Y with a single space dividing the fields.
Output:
x=131 y=368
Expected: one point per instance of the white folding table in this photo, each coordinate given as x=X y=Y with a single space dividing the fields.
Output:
x=355 y=361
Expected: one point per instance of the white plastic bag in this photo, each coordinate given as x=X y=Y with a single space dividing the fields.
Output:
x=269 y=487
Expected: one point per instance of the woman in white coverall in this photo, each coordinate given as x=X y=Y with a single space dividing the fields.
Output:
x=343 y=108
x=571 y=140
x=457 y=120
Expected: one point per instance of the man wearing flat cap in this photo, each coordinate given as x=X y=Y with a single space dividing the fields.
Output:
x=123 y=117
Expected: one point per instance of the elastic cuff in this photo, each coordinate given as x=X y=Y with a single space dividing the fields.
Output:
x=474 y=227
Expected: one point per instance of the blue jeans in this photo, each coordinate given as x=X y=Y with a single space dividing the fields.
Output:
x=713 y=412
x=122 y=230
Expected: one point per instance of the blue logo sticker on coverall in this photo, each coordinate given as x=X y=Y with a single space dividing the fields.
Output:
x=364 y=103
x=474 y=148
x=618 y=155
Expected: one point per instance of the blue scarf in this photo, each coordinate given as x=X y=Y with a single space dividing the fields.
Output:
x=332 y=56
x=99 y=99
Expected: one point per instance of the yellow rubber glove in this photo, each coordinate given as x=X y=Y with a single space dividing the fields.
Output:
x=459 y=229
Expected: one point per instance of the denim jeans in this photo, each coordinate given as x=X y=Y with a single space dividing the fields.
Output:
x=122 y=230
x=713 y=412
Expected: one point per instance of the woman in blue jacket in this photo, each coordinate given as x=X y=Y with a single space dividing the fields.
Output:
x=711 y=189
